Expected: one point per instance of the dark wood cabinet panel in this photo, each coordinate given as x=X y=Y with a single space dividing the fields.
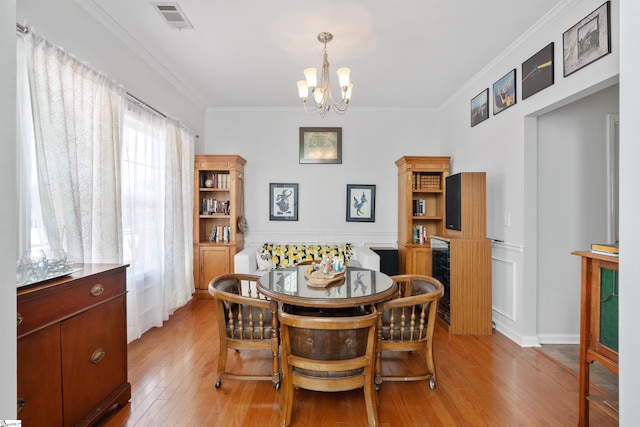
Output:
x=39 y=391
x=93 y=358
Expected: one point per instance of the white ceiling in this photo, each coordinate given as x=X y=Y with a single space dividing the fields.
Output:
x=250 y=53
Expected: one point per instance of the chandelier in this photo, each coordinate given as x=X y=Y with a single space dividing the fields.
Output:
x=322 y=98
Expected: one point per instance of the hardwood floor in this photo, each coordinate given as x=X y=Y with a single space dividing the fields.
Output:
x=481 y=381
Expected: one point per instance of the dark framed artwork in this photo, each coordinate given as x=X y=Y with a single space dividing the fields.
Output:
x=320 y=145
x=480 y=107
x=361 y=203
x=587 y=41
x=537 y=72
x=504 y=92
x=283 y=202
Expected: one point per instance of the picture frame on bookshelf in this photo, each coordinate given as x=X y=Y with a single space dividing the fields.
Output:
x=587 y=41
x=537 y=72
x=321 y=145
x=283 y=202
x=504 y=92
x=361 y=203
x=480 y=107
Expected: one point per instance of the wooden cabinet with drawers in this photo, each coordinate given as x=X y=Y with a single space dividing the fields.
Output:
x=72 y=347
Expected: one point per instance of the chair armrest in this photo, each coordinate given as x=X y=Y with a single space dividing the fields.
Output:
x=366 y=257
x=245 y=261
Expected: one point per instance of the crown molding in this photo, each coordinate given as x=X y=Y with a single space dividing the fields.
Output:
x=121 y=33
x=559 y=9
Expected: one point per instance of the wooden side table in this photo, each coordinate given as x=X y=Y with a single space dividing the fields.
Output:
x=598 y=329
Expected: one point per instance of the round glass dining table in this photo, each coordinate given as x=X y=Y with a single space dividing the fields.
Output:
x=289 y=286
x=360 y=287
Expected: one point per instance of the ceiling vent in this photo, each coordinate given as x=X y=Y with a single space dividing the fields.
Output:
x=173 y=15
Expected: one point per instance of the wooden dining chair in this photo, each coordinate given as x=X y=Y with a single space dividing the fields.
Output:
x=328 y=353
x=245 y=322
x=407 y=324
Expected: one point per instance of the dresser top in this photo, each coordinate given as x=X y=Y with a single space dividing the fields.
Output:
x=86 y=271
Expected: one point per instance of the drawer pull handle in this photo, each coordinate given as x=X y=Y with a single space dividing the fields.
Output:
x=97 y=356
x=97 y=290
x=21 y=403
x=19 y=318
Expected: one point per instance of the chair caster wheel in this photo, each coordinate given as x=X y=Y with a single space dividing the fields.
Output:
x=218 y=383
x=276 y=385
x=432 y=384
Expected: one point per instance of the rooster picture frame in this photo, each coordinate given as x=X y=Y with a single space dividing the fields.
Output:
x=361 y=203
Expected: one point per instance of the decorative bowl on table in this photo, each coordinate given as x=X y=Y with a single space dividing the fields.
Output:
x=318 y=279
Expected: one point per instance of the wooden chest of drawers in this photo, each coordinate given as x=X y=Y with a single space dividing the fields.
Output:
x=72 y=347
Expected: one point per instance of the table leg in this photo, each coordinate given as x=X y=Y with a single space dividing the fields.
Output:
x=378 y=374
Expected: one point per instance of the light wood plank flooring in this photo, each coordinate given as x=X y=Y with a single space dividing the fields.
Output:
x=481 y=381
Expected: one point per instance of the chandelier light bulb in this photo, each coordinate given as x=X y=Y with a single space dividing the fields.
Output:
x=318 y=95
x=347 y=94
x=343 y=76
x=303 y=90
x=310 y=76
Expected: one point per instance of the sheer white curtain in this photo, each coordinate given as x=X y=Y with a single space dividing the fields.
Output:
x=157 y=194
x=178 y=238
x=77 y=114
x=115 y=180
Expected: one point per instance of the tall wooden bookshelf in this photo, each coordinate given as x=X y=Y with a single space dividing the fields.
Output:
x=218 y=206
x=421 y=209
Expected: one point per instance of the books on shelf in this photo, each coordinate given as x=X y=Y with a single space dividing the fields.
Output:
x=220 y=234
x=610 y=249
x=420 y=234
x=419 y=207
x=217 y=180
x=212 y=206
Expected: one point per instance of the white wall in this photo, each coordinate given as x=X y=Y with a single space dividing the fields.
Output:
x=629 y=213
x=371 y=143
x=65 y=23
x=572 y=211
x=8 y=210
x=505 y=146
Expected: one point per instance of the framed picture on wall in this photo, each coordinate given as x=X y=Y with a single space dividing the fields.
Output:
x=361 y=203
x=321 y=145
x=537 y=72
x=504 y=92
x=283 y=202
x=587 y=41
x=480 y=107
